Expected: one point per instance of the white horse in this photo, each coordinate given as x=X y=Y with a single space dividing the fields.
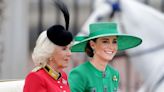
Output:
x=147 y=23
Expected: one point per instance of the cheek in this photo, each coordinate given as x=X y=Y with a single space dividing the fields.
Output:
x=115 y=47
x=57 y=55
x=99 y=49
x=102 y=47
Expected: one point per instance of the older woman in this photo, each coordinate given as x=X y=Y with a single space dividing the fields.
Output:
x=51 y=54
x=101 y=45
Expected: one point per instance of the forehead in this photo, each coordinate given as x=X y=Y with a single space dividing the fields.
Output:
x=108 y=37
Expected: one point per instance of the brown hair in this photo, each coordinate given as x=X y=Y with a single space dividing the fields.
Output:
x=88 y=49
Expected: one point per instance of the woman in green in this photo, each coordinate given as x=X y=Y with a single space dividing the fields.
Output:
x=101 y=46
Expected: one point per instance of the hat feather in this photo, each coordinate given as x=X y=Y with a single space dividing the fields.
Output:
x=64 y=10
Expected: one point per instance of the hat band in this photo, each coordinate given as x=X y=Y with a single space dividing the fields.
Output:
x=101 y=32
x=80 y=38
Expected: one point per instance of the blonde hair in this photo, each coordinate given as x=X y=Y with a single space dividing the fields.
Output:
x=43 y=50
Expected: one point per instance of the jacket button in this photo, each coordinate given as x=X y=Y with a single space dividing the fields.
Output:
x=61 y=86
x=58 y=82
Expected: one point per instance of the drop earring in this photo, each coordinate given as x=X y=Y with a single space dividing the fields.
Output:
x=93 y=50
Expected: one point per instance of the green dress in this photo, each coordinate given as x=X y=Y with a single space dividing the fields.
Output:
x=86 y=78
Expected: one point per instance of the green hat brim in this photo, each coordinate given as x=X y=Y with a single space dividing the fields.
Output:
x=124 y=42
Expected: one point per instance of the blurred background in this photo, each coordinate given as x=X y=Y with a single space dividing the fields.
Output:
x=141 y=69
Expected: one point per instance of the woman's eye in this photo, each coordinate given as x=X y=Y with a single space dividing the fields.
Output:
x=64 y=48
x=105 y=41
x=115 y=41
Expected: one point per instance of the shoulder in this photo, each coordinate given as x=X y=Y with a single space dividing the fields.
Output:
x=112 y=70
x=77 y=78
x=81 y=67
x=34 y=82
x=35 y=76
x=78 y=72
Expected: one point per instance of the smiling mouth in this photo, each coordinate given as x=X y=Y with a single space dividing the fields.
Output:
x=109 y=52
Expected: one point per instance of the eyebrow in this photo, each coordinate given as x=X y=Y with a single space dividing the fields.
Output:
x=104 y=38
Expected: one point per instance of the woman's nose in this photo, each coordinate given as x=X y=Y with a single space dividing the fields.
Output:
x=112 y=46
x=69 y=53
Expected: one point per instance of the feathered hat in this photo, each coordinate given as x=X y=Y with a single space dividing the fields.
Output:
x=59 y=34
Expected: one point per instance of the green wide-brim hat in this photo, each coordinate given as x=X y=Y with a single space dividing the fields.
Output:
x=103 y=29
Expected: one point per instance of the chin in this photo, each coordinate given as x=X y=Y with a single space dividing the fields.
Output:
x=109 y=59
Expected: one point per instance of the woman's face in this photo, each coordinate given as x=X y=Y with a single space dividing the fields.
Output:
x=105 y=48
x=61 y=56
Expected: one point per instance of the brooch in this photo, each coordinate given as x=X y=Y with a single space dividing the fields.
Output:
x=115 y=78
